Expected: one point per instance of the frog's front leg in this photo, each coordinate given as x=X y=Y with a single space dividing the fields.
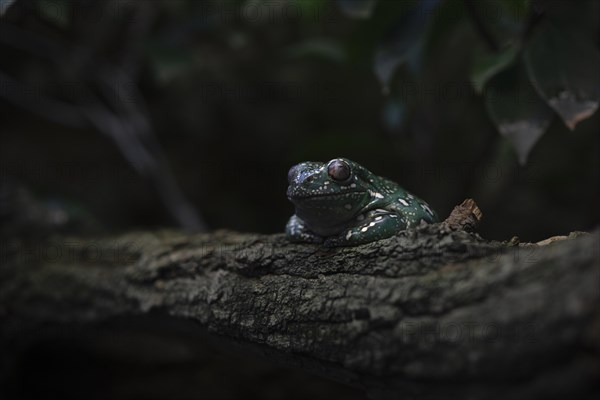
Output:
x=372 y=226
x=297 y=231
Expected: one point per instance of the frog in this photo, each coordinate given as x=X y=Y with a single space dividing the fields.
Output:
x=341 y=203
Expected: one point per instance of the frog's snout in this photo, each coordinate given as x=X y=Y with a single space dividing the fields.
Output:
x=299 y=175
x=295 y=189
x=293 y=173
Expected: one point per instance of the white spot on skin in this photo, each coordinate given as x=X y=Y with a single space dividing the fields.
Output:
x=348 y=235
x=426 y=208
x=348 y=206
x=403 y=202
x=375 y=194
x=364 y=229
x=353 y=185
x=378 y=218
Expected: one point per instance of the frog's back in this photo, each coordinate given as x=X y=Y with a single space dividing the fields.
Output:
x=406 y=204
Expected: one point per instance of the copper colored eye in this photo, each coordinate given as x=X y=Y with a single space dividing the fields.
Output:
x=338 y=170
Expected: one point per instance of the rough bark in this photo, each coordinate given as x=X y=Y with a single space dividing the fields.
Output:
x=430 y=313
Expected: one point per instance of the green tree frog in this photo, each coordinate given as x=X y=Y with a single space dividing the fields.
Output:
x=341 y=203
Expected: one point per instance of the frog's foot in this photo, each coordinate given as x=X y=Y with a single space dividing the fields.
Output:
x=375 y=225
x=296 y=231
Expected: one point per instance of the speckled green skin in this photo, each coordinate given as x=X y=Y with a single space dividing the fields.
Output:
x=361 y=209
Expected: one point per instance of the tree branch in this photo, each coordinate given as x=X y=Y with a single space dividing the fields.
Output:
x=430 y=313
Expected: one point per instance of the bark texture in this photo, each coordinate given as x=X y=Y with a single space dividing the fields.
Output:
x=431 y=313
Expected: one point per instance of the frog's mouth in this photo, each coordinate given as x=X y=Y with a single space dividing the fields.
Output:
x=323 y=196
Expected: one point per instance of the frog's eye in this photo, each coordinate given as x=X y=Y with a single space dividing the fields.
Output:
x=338 y=170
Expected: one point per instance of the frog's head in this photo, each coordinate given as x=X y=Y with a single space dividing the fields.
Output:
x=328 y=194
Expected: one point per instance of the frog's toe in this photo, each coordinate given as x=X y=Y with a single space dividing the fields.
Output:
x=297 y=232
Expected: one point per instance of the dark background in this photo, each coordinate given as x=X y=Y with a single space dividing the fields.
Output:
x=228 y=97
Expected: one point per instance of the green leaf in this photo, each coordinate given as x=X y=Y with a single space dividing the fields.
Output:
x=486 y=65
x=4 y=5
x=517 y=111
x=403 y=42
x=360 y=9
x=563 y=68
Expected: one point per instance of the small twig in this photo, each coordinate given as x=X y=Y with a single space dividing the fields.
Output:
x=465 y=216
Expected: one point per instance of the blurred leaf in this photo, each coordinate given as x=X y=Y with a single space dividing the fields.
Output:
x=517 y=8
x=394 y=114
x=318 y=48
x=169 y=63
x=403 y=41
x=584 y=18
x=4 y=5
x=446 y=19
x=564 y=70
x=486 y=65
x=504 y=19
x=364 y=40
x=361 y=9
x=516 y=109
x=56 y=11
